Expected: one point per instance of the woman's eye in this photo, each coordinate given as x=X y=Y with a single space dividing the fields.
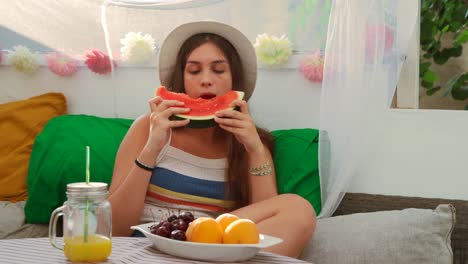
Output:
x=219 y=69
x=194 y=72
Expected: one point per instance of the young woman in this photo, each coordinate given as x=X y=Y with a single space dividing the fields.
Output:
x=163 y=165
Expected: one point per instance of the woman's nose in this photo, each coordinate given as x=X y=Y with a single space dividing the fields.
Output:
x=206 y=83
x=206 y=80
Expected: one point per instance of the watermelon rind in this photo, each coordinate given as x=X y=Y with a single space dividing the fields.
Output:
x=203 y=121
x=206 y=123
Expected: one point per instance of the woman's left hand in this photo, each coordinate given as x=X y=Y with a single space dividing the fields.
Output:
x=241 y=124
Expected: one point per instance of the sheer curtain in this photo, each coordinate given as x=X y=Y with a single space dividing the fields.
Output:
x=366 y=45
x=365 y=48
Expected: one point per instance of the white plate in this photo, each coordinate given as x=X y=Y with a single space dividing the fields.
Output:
x=205 y=251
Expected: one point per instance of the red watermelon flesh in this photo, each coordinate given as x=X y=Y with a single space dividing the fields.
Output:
x=201 y=108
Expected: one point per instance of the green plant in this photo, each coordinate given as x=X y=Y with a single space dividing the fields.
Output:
x=439 y=17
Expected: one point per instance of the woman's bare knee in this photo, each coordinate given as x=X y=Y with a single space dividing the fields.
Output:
x=294 y=221
x=296 y=202
x=302 y=212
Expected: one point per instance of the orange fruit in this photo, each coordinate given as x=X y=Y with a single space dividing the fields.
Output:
x=204 y=230
x=225 y=219
x=242 y=231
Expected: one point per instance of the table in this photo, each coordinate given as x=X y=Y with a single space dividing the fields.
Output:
x=125 y=250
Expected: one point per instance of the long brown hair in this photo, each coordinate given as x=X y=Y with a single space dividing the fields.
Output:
x=237 y=187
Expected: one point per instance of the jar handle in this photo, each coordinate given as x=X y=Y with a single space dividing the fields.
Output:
x=53 y=227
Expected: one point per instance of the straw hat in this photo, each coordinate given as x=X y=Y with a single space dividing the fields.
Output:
x=175 y=39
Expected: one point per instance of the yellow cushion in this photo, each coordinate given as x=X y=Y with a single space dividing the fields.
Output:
x=20 y=123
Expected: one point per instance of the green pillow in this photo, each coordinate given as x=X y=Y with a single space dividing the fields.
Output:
x=59 y=157
x=296 y=164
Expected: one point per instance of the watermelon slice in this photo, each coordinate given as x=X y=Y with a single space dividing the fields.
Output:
x=202 y=110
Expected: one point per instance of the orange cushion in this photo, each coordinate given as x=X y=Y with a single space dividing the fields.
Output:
x=20 y=123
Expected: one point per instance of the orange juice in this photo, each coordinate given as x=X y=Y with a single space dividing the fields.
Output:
x=97 y=248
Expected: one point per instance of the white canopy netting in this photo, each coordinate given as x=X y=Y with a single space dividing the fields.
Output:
x=332 y=65
x=366 y=46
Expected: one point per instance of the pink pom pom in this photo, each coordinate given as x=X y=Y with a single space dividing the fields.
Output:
x=373 y=32
x=98 y=62
x=61 y=64
x=312 y=67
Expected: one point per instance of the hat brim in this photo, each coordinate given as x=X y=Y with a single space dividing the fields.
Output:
x=175 y=39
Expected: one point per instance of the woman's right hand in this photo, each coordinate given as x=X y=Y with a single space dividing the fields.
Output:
x=160 y=124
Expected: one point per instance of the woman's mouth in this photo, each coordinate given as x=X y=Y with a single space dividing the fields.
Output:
x=207 y=96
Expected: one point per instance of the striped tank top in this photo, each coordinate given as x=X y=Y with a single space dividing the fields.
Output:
x=185 y=182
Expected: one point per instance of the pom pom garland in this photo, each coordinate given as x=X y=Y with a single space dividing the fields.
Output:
x=311 y=67
x=61 y=64
x=271 y=50
x=24 y=60
x=136 y=48
x=99 y=62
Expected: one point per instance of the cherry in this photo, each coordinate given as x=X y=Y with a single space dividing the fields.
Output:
x=171 y=218
x=186 y=216
x=167 y=224
x=178 y=235
x=154 y=227
x=179 y=224
x=163 y=231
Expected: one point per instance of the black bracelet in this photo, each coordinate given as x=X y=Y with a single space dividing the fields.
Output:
x=143 y=166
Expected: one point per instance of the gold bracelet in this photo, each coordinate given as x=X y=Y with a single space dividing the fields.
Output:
x=261 y=170
x=262 y=173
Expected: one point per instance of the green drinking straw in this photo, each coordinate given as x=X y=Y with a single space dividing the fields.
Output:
x=85 y=233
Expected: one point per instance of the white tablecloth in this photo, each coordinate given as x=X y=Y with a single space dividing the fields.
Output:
x=125 y=250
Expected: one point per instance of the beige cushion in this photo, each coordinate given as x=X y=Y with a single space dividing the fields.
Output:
x=13 y=225
x=407 y=236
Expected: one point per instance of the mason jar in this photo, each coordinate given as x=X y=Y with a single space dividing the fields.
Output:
x=87 y=223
